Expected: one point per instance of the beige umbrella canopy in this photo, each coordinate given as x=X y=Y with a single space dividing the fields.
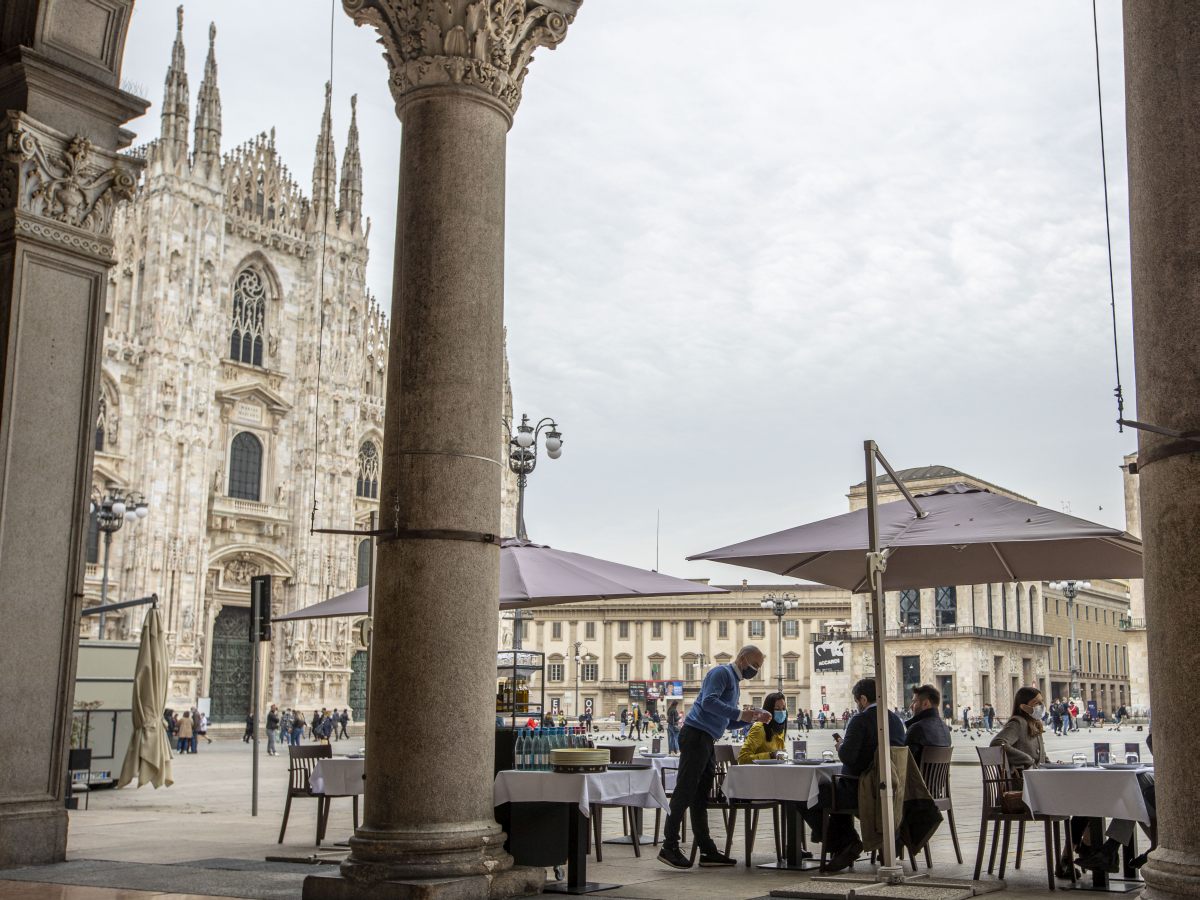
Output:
x=149 y=754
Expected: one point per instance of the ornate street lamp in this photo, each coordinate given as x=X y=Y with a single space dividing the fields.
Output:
x=1070 y=589
x=112 y=510
x=522 y=460
x=779 y=605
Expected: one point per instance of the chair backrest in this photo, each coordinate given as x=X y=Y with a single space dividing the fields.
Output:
x=996 y=778
x=80 y=760
x=725 y=753
x=935 y=770
x=1101 y=753
x=621 y=754
x=799 y=747
x=300 y=765
x=1134 y=747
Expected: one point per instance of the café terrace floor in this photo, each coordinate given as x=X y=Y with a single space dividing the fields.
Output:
x=197 y=838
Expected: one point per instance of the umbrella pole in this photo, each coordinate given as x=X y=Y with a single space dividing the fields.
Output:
x=876 y=562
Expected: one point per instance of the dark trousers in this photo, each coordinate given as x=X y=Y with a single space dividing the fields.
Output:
x=841 y=827
x=693 y=785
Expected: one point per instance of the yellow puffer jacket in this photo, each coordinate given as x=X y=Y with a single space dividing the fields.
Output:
x=756 y=745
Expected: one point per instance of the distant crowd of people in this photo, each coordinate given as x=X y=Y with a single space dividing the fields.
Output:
x=288 y=727
x=186 y=730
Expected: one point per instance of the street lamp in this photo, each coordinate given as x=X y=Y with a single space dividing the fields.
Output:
x=1070 y=589
x=112 y=510
x=522 y=460
x=579 y=655
x=779 y=605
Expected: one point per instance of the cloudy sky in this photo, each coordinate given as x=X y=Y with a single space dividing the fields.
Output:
x=742 y=238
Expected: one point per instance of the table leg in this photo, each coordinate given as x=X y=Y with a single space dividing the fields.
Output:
x=577 y=882
x=1100 y=882
x=792 y=861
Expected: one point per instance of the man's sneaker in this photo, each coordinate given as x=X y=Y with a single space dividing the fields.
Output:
x=714 y=857
x=672 y=857
x=844 y=857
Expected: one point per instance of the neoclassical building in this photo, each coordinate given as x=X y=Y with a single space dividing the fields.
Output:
x=242 y=387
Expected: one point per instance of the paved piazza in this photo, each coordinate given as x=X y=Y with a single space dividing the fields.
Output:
x=205 y=816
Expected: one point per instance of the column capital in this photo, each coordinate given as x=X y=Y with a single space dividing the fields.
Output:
x=483 y=46
x=63 y=190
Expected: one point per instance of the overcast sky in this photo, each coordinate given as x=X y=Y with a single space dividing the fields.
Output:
x=743 y=240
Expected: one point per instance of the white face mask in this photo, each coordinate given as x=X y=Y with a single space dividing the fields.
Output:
x=1038 y=711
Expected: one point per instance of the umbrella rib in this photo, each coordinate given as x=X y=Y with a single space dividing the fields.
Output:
x=801 y=565
x=1003 y=562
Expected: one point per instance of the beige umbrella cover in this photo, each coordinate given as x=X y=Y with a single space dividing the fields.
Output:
x=149 y=753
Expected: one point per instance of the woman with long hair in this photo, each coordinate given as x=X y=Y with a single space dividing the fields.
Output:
x=674 y=720
x=1022 y=735
x=767 y=741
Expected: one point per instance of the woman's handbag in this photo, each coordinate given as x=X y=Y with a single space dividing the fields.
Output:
x=1013 y=803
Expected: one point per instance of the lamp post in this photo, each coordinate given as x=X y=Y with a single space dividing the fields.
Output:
x=779 y=605
x=1070 y=589
x=522 y=460
x=578 y=645
x=112 y=510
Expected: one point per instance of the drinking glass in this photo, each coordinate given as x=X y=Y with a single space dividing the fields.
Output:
x=800 y=755
x=1079 y=759
x=828 y=756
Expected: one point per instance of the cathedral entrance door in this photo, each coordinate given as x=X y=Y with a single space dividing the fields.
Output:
x=232 y=665
x=358 y=685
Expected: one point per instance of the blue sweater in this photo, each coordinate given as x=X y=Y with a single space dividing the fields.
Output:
x=717 y=706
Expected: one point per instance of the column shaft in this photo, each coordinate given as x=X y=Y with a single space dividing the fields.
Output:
x=1162 y=45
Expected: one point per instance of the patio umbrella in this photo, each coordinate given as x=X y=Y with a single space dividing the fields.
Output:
x=969 y=536
x=149 y=755
x=536 y=575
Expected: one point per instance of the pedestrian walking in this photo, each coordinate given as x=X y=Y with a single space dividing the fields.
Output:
x=272 y=728
x=624 y=721
x=285 y=727
x=673 y=718
x=966 y=719
x=298 y=724
x=344 y=721
x=184 y=734
x=248 y=734
x=821 y=719
x=201 y=727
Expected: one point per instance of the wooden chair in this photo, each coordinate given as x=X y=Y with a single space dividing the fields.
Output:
x=727 y=754
x=1097 y=749
x=828 y=812
x=629 y=816
x=997 y=779
x=80 y=760
x=935 y=770
x=1133 y=747
x=300 y=766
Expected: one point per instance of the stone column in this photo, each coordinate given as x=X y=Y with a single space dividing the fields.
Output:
x=1162 y=92
x=456 y=71
x=60 y=180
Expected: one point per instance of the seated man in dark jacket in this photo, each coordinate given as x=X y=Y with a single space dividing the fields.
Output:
x=857 y=753
x=926 y=728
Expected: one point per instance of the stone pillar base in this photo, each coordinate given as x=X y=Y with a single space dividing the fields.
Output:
x=1171 y=875
x=33 y=838
x=519 y=881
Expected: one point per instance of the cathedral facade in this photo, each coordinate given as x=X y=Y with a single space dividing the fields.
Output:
x=243 y=381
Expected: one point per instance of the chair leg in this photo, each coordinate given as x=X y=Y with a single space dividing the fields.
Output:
x=751 y=831
x=1004 y=849
x=1049 y=855
x=633 y=831
x=597 y=812
x=983 y=824
x=657 y=822
x=730 y=827
x=825 y=816
x=996 y=829
x=954 y=834
x=776 y=817
x=287 y=809
x=928 y=858
x=321 y=801
x=1020 y=843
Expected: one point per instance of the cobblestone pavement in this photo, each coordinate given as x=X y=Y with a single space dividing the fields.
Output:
x=204 y=819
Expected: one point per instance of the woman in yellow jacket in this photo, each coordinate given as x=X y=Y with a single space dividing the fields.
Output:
x=767 y=741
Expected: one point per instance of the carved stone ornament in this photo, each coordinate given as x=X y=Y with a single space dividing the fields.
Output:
x=943 y=660
x=61 y=181
x=241 y=569
x=485 y=44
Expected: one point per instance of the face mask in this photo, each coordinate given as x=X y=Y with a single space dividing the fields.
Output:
x=1038 y=712
x=749 y=672
x=780 y=716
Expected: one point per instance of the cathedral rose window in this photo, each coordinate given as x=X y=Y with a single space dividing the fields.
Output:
x=368 y=471
x=249 y=318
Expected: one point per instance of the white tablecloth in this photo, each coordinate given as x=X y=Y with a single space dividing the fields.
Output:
x=635 y=787
x=669 y=763
x=1097 y=793
x=337 y=777
x=786 y=782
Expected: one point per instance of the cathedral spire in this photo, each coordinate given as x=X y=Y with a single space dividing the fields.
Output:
x=350 y=207
x=207 y=145
x=325 y=165
x=175 y=99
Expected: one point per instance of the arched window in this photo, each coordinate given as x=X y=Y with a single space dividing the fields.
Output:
x=1019 y=600
x=364 y=562
x=93 y=539
x=245 y=467
x=249 y=318
x=101 y=423
x=910 y=610
x=945 y=607
x=368 y=471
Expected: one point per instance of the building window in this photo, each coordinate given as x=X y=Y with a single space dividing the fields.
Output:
x=364 y=562
x=689 y=629
x=1060 y=654
x=1004 y=607
x=1089 y=668
x=945 y=607
x=245 y=467
x=556 y=631
x=791 y=628
x=101 y=416
x=723 y=629
x=93 y=539
x=622 y=629
x=589 y=671
x=1032 y=602
x=910 y=610
x=910 y=669
x=554 y=672
x=622 y=671
x=991 y=620
x=789 y=670
x=1107 y=659
x=368 y=471
x=1019 y=598
x=655 y=670
x=249 y=318
x=758 y=628
x=589 y=631
x=656 y=629
x=793 y=703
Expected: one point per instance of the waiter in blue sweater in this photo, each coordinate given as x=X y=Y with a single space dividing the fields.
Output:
x=714 y=710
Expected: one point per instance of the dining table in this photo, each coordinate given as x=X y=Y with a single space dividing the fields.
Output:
x=795 y=785
x=532 y=806
x=1097 y=793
